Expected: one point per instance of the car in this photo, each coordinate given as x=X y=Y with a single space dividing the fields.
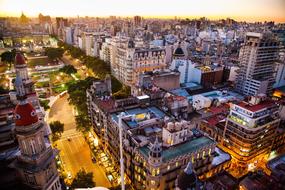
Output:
x=93 y=159
x=69 y=175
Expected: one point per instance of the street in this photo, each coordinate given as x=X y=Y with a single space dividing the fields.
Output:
x=75 y=153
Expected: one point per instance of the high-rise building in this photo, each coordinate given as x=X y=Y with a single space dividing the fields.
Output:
x=257 y=59
x=137 y=20
x=69 y=35
x=250 y=131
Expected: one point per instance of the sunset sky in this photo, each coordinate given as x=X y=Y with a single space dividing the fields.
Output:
x=248 y=10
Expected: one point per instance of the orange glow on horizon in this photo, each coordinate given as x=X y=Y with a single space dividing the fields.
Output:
x=240 y=10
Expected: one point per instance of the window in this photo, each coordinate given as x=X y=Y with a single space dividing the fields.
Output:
x=30 y=178
x=168 y=167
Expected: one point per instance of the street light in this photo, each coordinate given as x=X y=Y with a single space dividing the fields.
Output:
x=121 y=117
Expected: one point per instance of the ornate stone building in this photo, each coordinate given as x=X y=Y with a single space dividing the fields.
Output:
x=35 y=163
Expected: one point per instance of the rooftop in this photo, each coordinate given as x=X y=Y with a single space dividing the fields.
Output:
x=254 y=108
x=181 y=149
x=220 y=96
x=139 y=115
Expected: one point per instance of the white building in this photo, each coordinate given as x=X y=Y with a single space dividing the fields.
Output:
x=200 y=102
x=128 y=61
x=69 y=35
x=175 y=133
x=257 y=59
x=280 y=72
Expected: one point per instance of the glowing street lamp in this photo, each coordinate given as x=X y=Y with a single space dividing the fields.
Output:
x=121 y=117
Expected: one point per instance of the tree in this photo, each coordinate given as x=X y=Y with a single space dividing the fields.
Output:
x=54 y=53
x=77 y=93
x=125 y=92
x=44 y=104
x=8 y=57
x=68 y=69
x=83 y=180
x=57 y=129
x=82 y=122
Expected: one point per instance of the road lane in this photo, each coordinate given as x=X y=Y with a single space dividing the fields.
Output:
x=75 y=153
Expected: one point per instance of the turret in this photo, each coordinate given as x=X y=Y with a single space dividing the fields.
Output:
x=155 y=153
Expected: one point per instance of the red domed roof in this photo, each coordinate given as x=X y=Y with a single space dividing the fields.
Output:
x=25 y=114
x=20 y=59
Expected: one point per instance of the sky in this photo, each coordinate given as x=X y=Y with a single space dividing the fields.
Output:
x=242 y=10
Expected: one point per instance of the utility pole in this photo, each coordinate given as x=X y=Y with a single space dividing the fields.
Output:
x=121 y=116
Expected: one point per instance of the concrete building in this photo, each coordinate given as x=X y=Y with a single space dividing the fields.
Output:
x=7 y=125
x=69 y=35
x=250 y=131
x=128 y=61
x=157 y=147
x=280 y=71
x=257 y=59
x=167 y=80
x=206 y=75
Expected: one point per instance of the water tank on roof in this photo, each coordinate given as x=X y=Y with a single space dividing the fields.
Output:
x=170 y=126
x=184 y=123
x=178 y=126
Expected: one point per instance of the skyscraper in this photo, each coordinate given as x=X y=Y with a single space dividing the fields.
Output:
x=257 y=59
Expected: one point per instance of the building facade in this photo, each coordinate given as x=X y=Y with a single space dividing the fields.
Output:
x=257 y=59
x=250 y=131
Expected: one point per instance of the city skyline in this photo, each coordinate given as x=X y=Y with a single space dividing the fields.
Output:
x=241 y=10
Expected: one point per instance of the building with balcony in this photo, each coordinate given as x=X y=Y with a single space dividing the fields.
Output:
x=157 y=144
x=128 y=61
x=250 y=131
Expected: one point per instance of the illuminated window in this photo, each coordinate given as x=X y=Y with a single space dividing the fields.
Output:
x=210 y=150
x=176 y=164
x=153 y=172
x=157 y=171
x=152 y=182
x=168 y=167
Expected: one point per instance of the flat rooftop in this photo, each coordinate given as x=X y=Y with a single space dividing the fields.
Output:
x=254 y=108
x=180 y=149
x=139 y=114
x=222 y=97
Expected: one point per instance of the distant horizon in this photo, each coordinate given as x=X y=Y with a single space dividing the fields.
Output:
x=239 y=10
x=169 y=17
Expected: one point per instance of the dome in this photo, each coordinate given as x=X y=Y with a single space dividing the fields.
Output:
x=179 y=52
x=25 y=114
x=20 y=59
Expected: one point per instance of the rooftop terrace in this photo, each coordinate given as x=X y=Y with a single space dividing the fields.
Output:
x=139 y=115
x=181 y=149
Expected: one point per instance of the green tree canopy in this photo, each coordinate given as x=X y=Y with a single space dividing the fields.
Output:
x=125 y=92
x=82 y=123
x=44 y=104
x=68 y=69
x=57 y=129
x=83 y=180
x=8 y=57
x=54 y=53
